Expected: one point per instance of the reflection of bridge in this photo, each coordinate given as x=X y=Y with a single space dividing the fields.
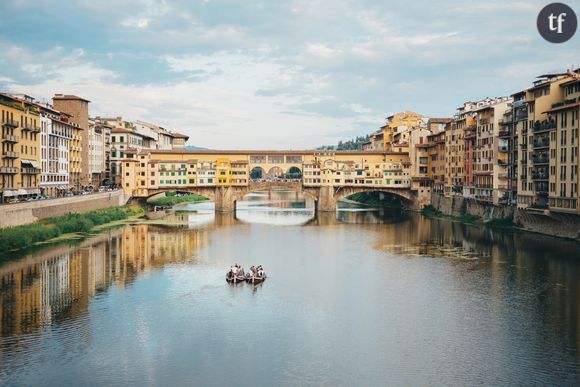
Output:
x=325 y=197
x=225 y=176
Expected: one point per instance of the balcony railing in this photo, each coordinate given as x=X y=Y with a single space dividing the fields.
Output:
x=541 y=159
x=503 y=148
x=504 y=133
x=30 y=127
x=9 y=138
x=543 y=143
x=10 y=155
x=544 y=126
x=8 y=170
x=29 y=171
x=11 y=123
x=521 y=117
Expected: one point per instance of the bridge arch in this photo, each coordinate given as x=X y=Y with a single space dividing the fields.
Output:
x=404 y=194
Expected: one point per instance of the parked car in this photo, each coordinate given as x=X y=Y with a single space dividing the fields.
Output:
x=68 y=194
x=101 y=189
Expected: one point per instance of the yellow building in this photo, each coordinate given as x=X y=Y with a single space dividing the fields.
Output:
x=399 y=123
x=538 y=174
x=436 y=152
x=20 y=164
x=564 y=147
x=454 y=150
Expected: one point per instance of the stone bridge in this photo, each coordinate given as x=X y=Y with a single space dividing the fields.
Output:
x=325 y=197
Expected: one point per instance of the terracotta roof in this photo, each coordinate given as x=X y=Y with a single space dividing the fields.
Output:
x=68 y=96
x=159 y=161
x=178 y=135
x=563 y=107
x=267 y=152
x=442 y=120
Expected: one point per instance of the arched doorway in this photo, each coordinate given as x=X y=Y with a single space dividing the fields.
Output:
x=257 y=173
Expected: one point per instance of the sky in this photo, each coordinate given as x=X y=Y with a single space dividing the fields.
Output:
x=274 y=74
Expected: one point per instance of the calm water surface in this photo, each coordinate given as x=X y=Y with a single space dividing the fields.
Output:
x=359 y=297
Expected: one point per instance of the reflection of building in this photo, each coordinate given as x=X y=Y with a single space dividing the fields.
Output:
x=61 y=282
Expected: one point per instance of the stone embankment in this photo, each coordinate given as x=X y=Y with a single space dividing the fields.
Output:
x=29 y=212
x=540 y=221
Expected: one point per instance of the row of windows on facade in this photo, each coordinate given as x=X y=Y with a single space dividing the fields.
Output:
x=54 y=178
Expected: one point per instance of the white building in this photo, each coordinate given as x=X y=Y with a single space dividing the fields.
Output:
x=98 y=143
x=55 y=137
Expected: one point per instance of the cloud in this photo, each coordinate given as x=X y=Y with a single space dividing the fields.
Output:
x=279 y=73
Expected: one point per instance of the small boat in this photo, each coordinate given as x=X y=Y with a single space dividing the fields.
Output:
x=231 y=278
x=254 y=279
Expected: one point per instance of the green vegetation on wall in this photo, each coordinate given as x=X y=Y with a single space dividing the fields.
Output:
x=19 y=237
x=172 y=199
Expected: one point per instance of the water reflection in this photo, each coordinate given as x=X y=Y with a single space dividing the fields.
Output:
x=283 y=208
x=59 y=283
x=424 y=302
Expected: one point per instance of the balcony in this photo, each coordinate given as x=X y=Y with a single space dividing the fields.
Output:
x=8 y=170
x=30 y=128
x=539 y=176
x=504 y=133
x=9 y=138
x=541 y=159
x=541 y=143
x=10 y=155
x=502 y=162
x=10 y=123
x=29 y=171
x=544 y=126
x=503 y=148
x=521 y=117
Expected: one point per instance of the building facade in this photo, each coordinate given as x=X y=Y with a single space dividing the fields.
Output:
x=56 y=135
x=20 y=156
x=77 y=109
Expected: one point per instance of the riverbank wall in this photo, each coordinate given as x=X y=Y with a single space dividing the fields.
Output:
x=19 y=214
x=539 y=221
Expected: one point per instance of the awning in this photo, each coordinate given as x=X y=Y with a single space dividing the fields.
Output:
x=26 y=163
x=8 y=193
x=34 y=164
x=22 y=191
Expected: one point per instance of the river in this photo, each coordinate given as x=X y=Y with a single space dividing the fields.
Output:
x=357 y=297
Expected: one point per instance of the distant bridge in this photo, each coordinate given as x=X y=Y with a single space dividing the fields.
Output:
x=325 y=197
x=227 y=176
